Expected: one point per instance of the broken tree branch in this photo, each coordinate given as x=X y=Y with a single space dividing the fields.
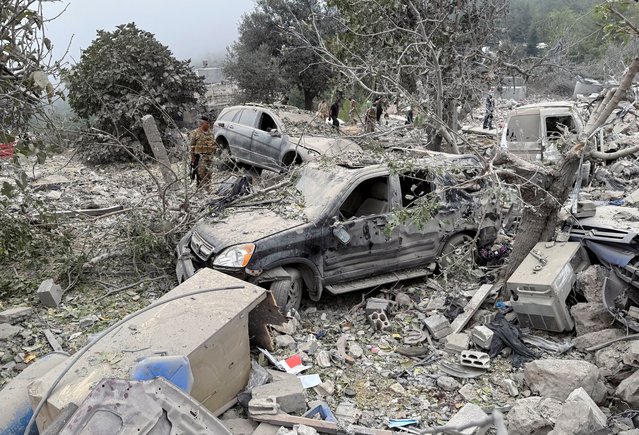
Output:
x=126 y=287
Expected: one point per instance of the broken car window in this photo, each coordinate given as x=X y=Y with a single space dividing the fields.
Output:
x=555 y=126
x=523 y=128
x=370 y=197
x=414 y=186
x=267 y=123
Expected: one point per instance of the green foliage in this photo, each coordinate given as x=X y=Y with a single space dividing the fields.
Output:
x=621 y=19
x=266 y=59
x=257 y=72
x=126 y=74
x=32 y=246
x=99 y=149
x=145 y=242
x=571 y=26
x=24 y=54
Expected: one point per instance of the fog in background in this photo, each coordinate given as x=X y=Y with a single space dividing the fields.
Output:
x=191 y=29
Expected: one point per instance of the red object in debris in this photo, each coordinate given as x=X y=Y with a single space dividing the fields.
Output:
x=294 y=361
x=6 y=150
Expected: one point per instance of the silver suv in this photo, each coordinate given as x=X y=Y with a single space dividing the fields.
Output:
x=263 y=136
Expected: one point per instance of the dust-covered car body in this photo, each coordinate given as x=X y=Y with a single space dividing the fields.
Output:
x=532 y=131
x=263 y=136
x=355 y=227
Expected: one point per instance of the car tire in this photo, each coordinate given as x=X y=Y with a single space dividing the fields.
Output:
x=288 y=293
x=459 y=249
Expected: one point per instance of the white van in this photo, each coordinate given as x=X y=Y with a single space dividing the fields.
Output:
x=532 y=131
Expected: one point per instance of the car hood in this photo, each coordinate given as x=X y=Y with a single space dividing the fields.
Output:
x=326 y=145
x=242 y=226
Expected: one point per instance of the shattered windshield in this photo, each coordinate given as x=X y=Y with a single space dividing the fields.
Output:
x=318 y=188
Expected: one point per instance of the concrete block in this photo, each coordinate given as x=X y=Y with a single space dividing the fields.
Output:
x=456 y=343
x=285 y=341
x=263 y=406
x=289 y=394
x=347 y=412
x=472 y=358
x=633 y=312
x=557 y=378
x=211 y=329
x=8 y=331
x=482 y=336
x=470 y=412
x=50 y=294
x=580 y=415
x=438 y=326
x=379 y=321
x=15 y=314
x=277 y=375
x=378 y=304
x=628 y=390
x=266 y=429
x=240 y=426
x=590 y=317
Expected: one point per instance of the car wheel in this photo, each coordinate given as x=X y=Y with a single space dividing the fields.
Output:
x=459 y=250
x=288 y=293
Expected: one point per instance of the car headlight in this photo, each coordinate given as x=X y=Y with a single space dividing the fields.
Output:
x=235 y=256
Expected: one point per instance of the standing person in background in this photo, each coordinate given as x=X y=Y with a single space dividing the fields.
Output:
x=379 y=106
x=334 y=112
x=322 y=110
x=369 y=118
x=203 y=146
x=490 y=109
x=352 y=112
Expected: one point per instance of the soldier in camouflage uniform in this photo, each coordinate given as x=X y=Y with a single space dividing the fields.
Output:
x=203 y=147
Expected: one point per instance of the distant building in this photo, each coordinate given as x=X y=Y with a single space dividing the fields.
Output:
x=219 y=92
x=212 y=75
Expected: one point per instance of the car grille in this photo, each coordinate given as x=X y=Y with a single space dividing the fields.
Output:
x=200 y=247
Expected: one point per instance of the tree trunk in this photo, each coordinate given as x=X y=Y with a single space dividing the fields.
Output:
x=308 y=99
x=549 y=191
x=539 y=219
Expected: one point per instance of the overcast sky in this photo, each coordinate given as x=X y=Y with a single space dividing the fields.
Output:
x=191 y=29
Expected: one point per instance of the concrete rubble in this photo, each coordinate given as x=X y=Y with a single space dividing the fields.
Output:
x=381 y=357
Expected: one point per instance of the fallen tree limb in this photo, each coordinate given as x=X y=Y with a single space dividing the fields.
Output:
x=609 y=342
x=126 y=287
x=319 y=425
x=99 y=258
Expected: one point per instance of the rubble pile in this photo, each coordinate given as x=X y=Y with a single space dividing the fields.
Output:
x=552 y=350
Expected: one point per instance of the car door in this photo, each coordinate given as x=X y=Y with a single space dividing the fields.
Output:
x=266 y=146
x=420 y=234
x=359 y=245
x=241 y=133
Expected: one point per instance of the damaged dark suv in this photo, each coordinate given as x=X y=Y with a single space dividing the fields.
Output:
x=340 y=229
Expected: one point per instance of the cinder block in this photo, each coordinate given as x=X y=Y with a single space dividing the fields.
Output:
x=438 y=326
x=289 y=394
x=482 y=336
x=457 y=342
x=379 y=321
x=50 y=294
x=633 y=312
x=377 y=304
x=15 y=314
x=472 y=358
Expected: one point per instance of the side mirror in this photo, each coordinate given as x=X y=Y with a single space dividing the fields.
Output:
x=341 y=234
x=275 y=133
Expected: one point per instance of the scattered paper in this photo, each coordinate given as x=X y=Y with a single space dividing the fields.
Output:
x=310 y=381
